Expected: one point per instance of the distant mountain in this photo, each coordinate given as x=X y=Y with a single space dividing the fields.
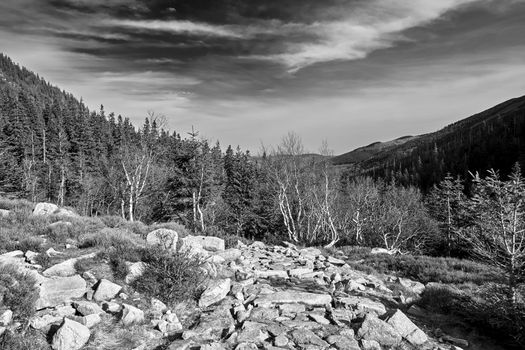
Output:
x=494 y=138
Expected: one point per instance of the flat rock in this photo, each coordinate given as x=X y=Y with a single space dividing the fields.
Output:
x=66 y=268
x=294 y=297
x=56 y=291
x=70 y=336
x=407 y=329
x=209 y=243
x=304 y=338
x=363 y=305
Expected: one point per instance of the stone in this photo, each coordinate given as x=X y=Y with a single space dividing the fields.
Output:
x=31 y=256
x=106 y=290
x=246 y=346
x=319 y=319
x=213 y=346
x=158 y=307
x=253 y=332
x=131 y=315
x=281 y=341
x=4 y=213
x=299 y=272
x=335 y=261
x=6 y=317
x=215 y=292
x=261 y=314
x=231 y=254
x=407 y=329
x=70 y=336
x=65 y=310
x=67 y=267
x=363 y=305
x=86 y=308
x=412 y=286
x=455 y=341
x=135 y=270
x=343 y=343
x=271 y=274
x=90 y=320
x=42 y=322
x=304 y=338
x=375 y=251
x=370 y=345
x=169 y=324
x=165 y=238
x=375 y=329
x=51 y=252
x=111 y=307
x=56 y=291
x=291 y=297
x=214 y=325
x=45 y=209
x=209 y=243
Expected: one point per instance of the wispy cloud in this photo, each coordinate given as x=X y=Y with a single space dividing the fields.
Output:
x=177 y=26
x=376 y=25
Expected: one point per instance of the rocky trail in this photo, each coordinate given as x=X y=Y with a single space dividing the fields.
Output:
x=256 y=297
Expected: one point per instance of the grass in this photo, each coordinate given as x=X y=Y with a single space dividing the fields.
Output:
x=28 y=340
x=421 y=268
x=18 y=292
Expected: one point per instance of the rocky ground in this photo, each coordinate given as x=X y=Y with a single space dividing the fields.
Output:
x=256 y=297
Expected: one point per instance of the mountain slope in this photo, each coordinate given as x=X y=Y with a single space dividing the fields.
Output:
x=494 y=138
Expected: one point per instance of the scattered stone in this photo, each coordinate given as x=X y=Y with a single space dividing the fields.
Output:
x=342 y=342
x=412 y=286
x=231 y=254
x=31 y=256
x=56 y=291
x=165 y=238
x=70 y=336
x=111 y=307
x=215 y=292
x=370 y=345
x=89 y=320
x=44 y=321
x=335 y=261
x=106 y=290
x=131 y=315
x=51 y=252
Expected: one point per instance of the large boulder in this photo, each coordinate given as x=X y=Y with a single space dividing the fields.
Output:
x=408 y=330
x=44 y=209
x=70 y=336
x=106 y=290
x=208 y=243
x=375 y=329
x=56 y=291
x=215 y=292
x=165 y=238
x=66 y=268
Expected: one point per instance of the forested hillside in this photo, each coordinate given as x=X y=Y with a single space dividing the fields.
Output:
x=491 y=139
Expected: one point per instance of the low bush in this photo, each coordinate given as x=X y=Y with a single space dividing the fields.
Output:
x=35 y=244
x=112 y=221
x=108 y=238
x=18 y=292
x=28 y=340
x=170 y=276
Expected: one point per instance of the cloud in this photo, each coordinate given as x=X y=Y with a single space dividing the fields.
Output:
x=375 y=25
x=178 y=27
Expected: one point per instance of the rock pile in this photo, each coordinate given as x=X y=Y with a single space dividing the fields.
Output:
x=258 y=297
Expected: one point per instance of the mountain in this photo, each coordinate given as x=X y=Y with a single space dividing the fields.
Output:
x=494 y=138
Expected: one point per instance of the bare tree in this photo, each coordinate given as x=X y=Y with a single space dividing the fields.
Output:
x=498 y=237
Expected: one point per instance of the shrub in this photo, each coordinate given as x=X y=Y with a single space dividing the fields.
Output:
x=31 y=243
x=107 y=238
x=29 y=340
x=112 y=221
x=170 y=276
x=18 y=291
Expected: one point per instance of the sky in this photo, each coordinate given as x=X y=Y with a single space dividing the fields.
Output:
x=246 y=72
